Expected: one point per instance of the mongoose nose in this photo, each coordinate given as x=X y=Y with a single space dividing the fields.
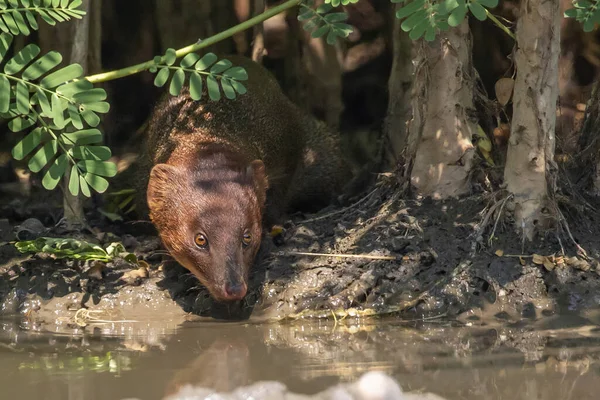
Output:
x=235 y=290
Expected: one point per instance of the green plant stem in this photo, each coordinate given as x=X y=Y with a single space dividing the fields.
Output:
x=134 y=69
x=499 y=24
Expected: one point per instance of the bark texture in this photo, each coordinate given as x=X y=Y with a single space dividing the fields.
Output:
x=442 y=124
x=530 y=157
x=183 y=22
x=399 y=85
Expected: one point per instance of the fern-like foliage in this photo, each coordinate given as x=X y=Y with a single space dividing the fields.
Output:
x=585 y=12
x=321 y=21
x=427 y=17
x=62 y=109
x=19 y=16
x=336 y=3
x=216 y=74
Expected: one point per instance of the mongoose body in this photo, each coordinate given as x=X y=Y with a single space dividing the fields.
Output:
x=221 y=170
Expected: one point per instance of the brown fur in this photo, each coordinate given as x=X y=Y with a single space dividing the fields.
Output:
x=211 y=164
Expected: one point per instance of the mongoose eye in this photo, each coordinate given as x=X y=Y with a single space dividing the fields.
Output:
x=246 y=239
x=200 y=240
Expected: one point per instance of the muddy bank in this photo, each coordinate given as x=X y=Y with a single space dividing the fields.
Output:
x=418 y=258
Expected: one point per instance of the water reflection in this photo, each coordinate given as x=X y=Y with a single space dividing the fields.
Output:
x=525 y=362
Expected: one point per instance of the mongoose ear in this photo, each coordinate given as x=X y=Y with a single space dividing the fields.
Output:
x=256 y=171
x=161 y=178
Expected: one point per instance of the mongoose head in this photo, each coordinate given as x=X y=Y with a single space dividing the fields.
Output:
x=210 y=221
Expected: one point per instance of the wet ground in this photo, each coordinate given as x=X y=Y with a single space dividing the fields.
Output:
x=552 y=359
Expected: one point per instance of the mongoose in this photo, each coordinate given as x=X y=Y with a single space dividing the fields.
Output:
x=220 y=170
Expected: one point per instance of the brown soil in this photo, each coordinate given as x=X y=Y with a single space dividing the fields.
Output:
x=441 y=266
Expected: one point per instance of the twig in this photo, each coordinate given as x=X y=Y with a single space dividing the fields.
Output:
x=343 y=210
x=366 y=256
x=498 y=219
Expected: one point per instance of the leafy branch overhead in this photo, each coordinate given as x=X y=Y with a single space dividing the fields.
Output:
x=585 y=12
x=217 y=74
x=19 y=16
x=63 y=110
x=426 y=17
x=321 y=21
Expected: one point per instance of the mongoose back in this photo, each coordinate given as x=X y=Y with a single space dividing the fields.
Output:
x=221 y=170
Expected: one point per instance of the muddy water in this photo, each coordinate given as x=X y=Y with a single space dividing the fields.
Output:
x=553 y=359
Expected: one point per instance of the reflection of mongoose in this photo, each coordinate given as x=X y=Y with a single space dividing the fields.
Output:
x=212 y=163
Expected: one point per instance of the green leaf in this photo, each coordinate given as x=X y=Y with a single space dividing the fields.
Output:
x=331 y=37
x=31 y=19
x=49 y=20
x=336 y=17
x=10 y=22
x=75 y=4
x=189 y=60
x=162 y=77
x=239 y=87
x=91 y=118
x=70 y=72
x=44 y=103
x=22 y=98
x=98 y=183
x=458 y=15
x=72 y=88
x=478 y=11
x=87 y=136
x=430 y=34
x=43 y=156
x=101 y=107
x=324 y=8
x=74 y=181
x=98 y=153
x=85 y=189
x=206 y=61
x=55 y=172
x=237 y=73
x=409 y=9
x=170 y=56
x=20 y=123
x=58 y=116
x=90 y=96
x=5 y=42
x=27 y=144
x=306 y=15
x=228 y=89
x=20 y=22
x=313 y=23
x=75 y=117
x=213 y=88
x=4 y=94
x=320 y=32
x=21 y=59
x=413 y=20
x=42 y=65
x=488 y=3
x=103 y=168
x=419 y=30
x=177 y=82
x=195 y=86
x=220 y=66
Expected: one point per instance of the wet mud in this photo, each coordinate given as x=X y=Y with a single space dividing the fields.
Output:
x=382 y=254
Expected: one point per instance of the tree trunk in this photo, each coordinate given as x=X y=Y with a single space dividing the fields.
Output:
x=399 y=85
x=85 y=50
x=442 y=124
x=324 y=69
x=588 y=159
x=530 y=157
x=184 y=22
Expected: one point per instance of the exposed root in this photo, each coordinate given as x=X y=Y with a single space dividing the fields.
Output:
x=488 y=213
